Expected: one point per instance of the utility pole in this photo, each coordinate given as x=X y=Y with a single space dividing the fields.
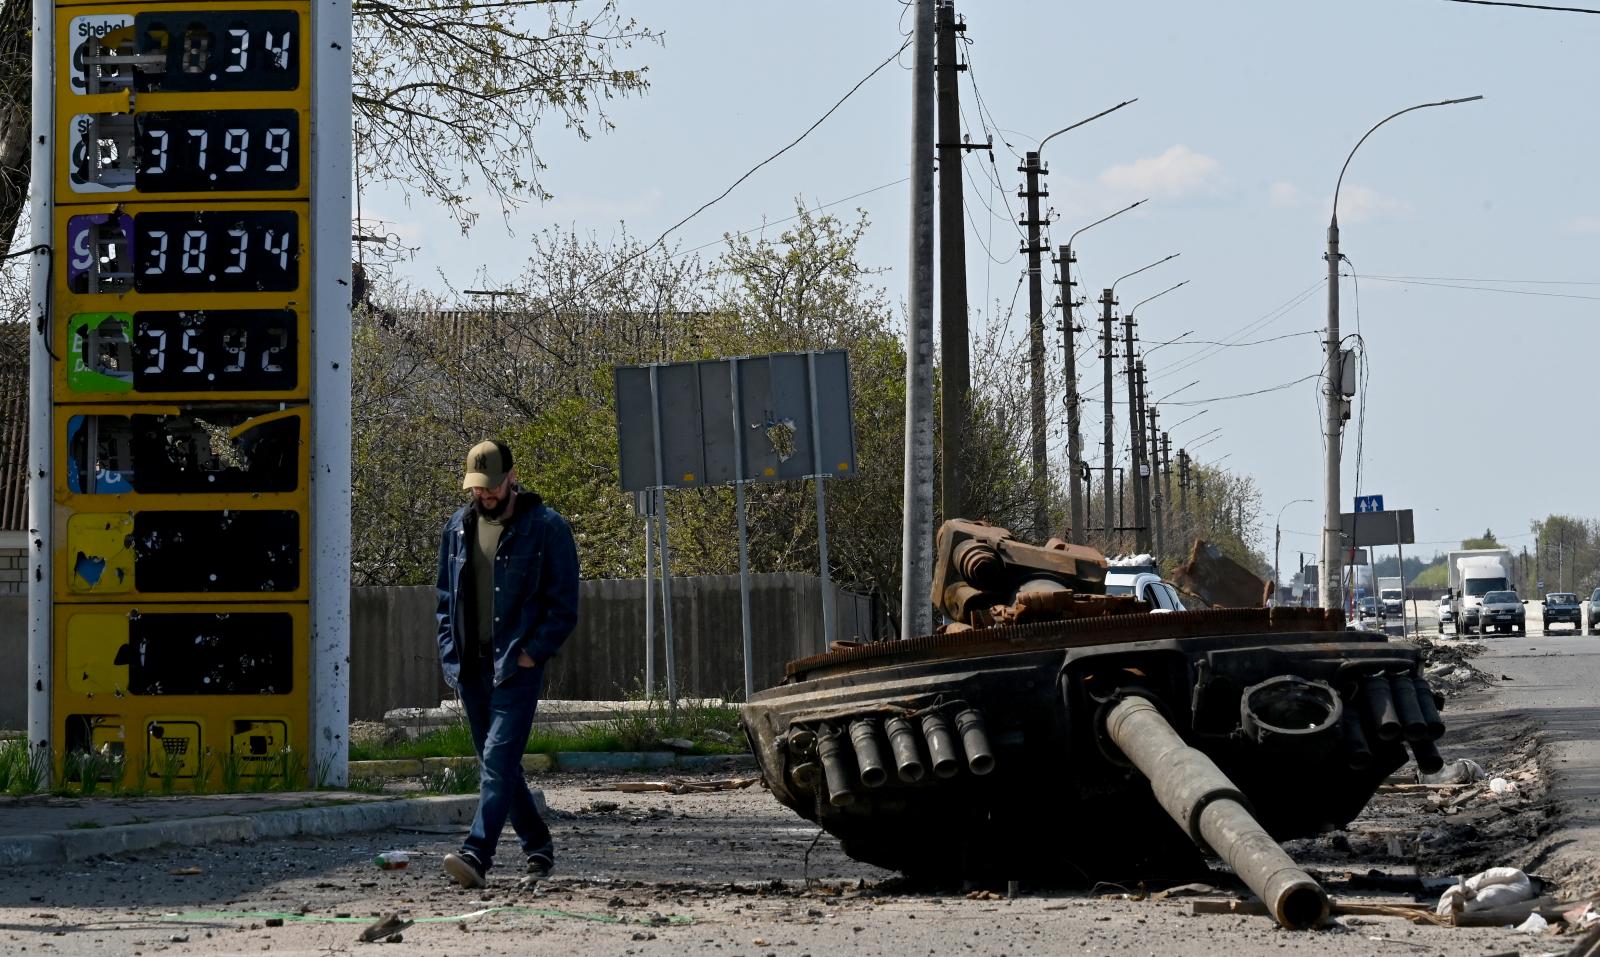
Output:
x=1142 y=472
x=1075 y=518
x=1153 y=483
x=1166 y=475
x=953 y=337
x=1183 y=490
x=1041 y=475
x=1107 y=347
x=1141 y=540
x=916 y=519
x=1329 y=571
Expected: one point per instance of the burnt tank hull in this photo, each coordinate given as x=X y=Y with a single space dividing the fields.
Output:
x=985 y=755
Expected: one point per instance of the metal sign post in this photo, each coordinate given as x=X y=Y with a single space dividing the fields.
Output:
x=661 y=541
x=642 y=506
x=744 y=533
x=828 y=610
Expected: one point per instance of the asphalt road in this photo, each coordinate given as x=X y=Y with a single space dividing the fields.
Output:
x=726 y=873
x=647 y=874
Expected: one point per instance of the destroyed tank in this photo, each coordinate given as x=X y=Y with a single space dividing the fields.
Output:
x=1055 y=734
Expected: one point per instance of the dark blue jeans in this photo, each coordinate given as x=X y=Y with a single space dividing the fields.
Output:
x=500 y=719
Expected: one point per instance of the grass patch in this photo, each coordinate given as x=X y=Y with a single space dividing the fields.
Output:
x=451 y=741
x=712 y=729
x=23 y=770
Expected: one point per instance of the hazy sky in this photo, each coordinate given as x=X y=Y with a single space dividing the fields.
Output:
x=1477 y=410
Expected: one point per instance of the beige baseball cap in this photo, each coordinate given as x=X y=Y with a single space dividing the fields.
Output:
x=487 y=464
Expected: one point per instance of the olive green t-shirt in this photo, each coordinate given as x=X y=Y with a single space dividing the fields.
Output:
x=489 y=532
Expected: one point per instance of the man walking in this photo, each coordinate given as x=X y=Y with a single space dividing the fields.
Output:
x=508 y=598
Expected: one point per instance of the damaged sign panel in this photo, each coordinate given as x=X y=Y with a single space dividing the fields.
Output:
x=181 y=299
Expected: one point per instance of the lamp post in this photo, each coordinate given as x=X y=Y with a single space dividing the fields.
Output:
x=1330 y=572
x=1033 y=167
x=1146 y=495
x=1277 y=541
x=1108 y=299
x=1075 y=491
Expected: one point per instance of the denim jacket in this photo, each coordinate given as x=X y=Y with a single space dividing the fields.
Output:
x=535 y=588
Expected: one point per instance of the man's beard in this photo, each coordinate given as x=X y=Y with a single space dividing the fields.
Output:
x=499 y=508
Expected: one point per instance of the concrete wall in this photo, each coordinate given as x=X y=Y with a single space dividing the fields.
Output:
x=13 y=571
x=394 y=661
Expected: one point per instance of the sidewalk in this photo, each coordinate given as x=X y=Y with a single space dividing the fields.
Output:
x=50 y=830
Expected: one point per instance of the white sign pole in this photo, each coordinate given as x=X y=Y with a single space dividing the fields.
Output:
x=744 y=534
x=40 y=469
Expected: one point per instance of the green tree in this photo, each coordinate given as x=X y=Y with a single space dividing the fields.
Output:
x=447 y=91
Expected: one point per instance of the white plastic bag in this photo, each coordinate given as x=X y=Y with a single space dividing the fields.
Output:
x=1495 y=887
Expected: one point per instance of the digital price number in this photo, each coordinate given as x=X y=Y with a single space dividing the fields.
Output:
x=186 y=51
x=198 y=350
x=186 y=152
x=184 y=252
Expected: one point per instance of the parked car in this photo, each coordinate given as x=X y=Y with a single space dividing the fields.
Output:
x=1563 y=607
x=1502 y=609
x=1594 y=613
x=1447 y=612
x=1146 y=587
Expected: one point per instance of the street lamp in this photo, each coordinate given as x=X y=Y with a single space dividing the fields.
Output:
x=1174 y=428
x=1175 y=339
x=1108 y=300
x=1075 y=490
x=1277 y=541
x=1033 y=167
x=1330 y=572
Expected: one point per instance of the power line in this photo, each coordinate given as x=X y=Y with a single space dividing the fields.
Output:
x=1246 y=395
x=1522 y=6
x=1511 y=292
x=779 y=222
x=1514 y=282
x=792 y=144
x=1270 y=317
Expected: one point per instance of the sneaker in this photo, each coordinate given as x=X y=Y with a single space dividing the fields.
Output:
x=539 y=867
x=465 y=870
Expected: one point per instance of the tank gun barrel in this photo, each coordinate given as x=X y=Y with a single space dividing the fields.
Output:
x=1201 y=799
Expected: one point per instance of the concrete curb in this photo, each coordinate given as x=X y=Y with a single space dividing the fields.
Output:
x=55 y=847
x=567 y=761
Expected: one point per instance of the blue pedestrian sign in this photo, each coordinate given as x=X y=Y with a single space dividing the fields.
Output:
x=1369 y=503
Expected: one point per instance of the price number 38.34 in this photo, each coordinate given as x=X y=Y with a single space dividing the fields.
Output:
x=185 y=252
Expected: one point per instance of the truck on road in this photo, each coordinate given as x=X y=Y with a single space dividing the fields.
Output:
x=1391 y=597
x=1475 y=572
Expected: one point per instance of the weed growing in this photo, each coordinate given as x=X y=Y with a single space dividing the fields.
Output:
x=22 y=770
x=455 y=779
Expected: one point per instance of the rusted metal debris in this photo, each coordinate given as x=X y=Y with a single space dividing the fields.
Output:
x=988 y=753
x=1218 y=580
x=984 y=577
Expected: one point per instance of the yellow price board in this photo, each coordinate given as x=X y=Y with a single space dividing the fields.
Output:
x=183 y=691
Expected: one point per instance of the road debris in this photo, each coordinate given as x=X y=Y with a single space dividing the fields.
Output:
x=385 y=926
x=675 y=786
x=1495 y=888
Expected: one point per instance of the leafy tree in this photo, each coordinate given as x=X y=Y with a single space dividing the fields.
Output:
x=16 y=105
x=447 y=91
x=1486 y=540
